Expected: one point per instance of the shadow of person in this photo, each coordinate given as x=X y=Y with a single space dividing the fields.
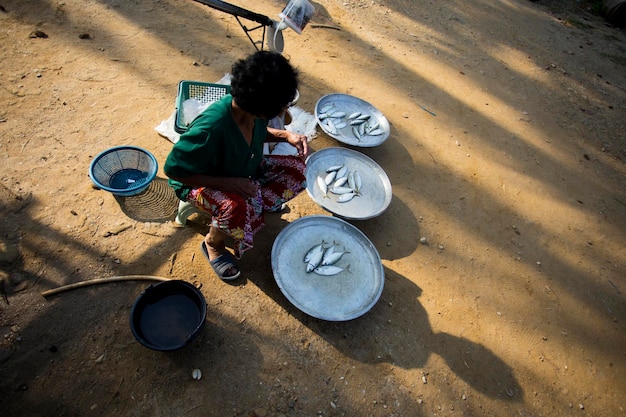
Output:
x=477 y=366
x=397 y=331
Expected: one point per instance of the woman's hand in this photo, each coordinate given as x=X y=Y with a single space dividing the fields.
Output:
x=244 y=186
x=296 y=140
x=299 y=142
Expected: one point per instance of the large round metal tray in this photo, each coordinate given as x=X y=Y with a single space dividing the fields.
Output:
x=350 y=104
x=341 y=297
x=376 y=190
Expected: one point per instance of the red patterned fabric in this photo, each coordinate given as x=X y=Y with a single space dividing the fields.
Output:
x=240 y=217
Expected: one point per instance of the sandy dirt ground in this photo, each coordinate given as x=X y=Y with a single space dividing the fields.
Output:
x=506 y=153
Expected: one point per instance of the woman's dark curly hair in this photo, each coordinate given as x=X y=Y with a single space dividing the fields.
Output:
x=264 y=83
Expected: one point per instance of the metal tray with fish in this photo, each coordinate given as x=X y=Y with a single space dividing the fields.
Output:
x=340 y=296
x=374 y=193
x=351 y=120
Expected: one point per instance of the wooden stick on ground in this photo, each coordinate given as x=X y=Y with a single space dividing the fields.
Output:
x=103 y=281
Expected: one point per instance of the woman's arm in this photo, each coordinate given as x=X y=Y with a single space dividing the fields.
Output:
x=296 y=140
x=243 y=186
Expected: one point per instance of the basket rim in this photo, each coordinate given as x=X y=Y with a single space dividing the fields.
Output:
x=183 y=88
x=130 y=190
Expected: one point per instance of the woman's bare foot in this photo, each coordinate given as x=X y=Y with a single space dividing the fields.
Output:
x=214 y=241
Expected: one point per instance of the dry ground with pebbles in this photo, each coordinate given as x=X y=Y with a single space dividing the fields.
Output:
x=514 y=175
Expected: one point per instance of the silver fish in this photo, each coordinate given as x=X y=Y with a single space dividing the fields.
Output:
x=327 y=108
x=351 y=182
x=342 y=172
x=344 y=198
x=313 y=251
x=322 y=116
x=331 y=256
x=338 y=114
x=363 y=117
x=340 y=125
x=334 y=168
x=376 y=132
x=323 y=186
x=340 y=182
x=341 y=190
x=355 y=132
x=373 y=127
x=357 y=181
x=330 y=126
x=330 y=177
x=362 y=129
x=354 y=115
x=316 y=258
x=357 y=122
x=329 y=270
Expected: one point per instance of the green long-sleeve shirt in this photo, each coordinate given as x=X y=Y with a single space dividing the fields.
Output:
x=213 y=145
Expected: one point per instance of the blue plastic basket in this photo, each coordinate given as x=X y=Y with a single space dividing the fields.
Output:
x=203 y=92
x=123 y=170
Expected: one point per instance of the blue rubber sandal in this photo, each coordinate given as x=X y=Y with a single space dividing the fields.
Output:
x=222 y=263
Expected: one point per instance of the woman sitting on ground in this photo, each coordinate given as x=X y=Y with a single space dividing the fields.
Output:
x=218 y=164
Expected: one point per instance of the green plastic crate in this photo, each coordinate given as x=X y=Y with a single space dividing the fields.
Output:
x=203 y=92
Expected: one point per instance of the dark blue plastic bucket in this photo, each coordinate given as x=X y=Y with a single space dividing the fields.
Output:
x=168 y=315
